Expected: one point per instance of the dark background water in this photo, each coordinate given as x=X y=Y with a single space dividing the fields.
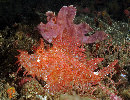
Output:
x=32 y=11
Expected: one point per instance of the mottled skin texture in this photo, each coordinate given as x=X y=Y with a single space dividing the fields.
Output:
x=64 y=66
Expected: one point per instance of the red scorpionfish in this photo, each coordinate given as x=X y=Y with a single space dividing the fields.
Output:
x=64 y=66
